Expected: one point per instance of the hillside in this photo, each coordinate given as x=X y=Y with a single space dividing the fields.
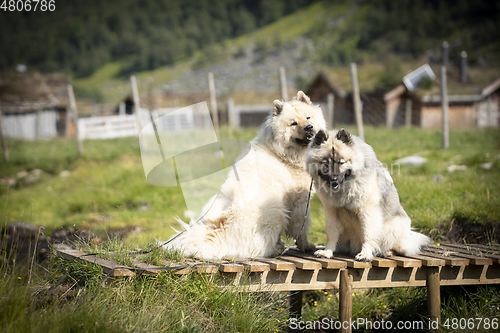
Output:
x=250 y=41
x=82 y=35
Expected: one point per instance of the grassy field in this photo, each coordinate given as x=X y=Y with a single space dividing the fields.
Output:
x=106 y=192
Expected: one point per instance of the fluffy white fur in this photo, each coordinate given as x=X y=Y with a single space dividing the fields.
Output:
x=363 y=214
x=266 y=196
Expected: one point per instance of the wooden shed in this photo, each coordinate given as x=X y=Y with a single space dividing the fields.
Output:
x=466 y=110
x=33 y=105
x=375 y=108
x=475 y=104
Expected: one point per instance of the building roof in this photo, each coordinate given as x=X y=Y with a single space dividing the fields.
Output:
x=33 y=91
x=482 y=81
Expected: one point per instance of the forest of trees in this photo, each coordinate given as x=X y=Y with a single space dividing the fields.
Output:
x=82 y=35
x=409 y=28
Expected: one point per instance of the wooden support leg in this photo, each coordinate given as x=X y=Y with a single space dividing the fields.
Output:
x=295 y=306
x=345 y=301
x=433 y=295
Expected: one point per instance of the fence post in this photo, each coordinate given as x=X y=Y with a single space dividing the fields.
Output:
x=356 y=101
x=330 y=109
x=213 y=103
x=444 y=107
x=137 y=105
x=4 y=142
x=283 y=86
x=408 y=113
x=74 y=117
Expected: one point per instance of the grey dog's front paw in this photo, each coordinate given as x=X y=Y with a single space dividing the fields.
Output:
x=309 y=247
x=324 y=253
x=279 y=248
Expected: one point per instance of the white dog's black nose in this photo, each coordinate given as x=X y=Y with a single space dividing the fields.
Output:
x=308 y=128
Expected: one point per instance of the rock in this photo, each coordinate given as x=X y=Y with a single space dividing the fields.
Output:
x=437 y=178
x=487 y=166
x=145 y=205
x=64 y=174
x=452 y=168
x=33 y=177
x=22 y=174
x=412 y=161
x=7 y=181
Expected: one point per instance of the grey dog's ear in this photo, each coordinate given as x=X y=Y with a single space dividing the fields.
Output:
x=344 y=136
x=301 y=97
x=320 y=137
x=278 y=107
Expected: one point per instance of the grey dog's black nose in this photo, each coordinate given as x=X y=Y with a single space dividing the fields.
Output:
x=308 y=128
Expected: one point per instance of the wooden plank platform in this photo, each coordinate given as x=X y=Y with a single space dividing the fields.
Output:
x=457 y=265
x=295 y=271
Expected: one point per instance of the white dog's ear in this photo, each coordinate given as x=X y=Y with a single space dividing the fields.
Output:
x=320 y=137
x=303 y=97
x=344 y=136
x=278 y=107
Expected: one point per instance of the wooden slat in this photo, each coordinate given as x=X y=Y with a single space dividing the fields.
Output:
x=383 y=262
x=147 y=268
x=107 y=266
x=351 y=262
x=231 y=268
x=256 y=266
x=492 y=247
x=277 y=265
x=325 y=262
x=406 y=262
x=168 y=263
x=207 y=268
x=449 y=260
x=462 y=253
x=303 y=264
x=251 y=265
x=428 y=261
x=487 y=253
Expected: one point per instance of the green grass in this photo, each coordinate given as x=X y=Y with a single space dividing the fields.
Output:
x=106 y=190
x=162 y=303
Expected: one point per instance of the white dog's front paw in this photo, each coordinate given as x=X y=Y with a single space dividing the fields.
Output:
x=363 y=257
x=324 y=253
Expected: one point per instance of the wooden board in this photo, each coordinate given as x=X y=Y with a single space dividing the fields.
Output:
x=480 y=252
x=278 y=265
x=474 y=258
x=406 y=262
x=428 y=261
x=303 y=264
x=325 y=262
x=449 y=259
x=108 y=266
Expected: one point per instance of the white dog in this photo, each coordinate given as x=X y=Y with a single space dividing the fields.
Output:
x=267 y=195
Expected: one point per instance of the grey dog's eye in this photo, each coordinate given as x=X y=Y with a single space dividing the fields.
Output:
x=294 y=123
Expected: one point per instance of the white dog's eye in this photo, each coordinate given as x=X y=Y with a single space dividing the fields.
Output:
x=308 y=118
x=341 y=162
x=294 y=123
